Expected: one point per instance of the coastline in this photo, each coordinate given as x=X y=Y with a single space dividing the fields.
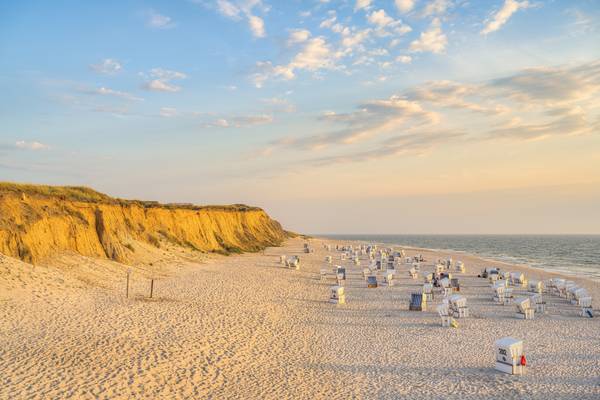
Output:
x=573 y=271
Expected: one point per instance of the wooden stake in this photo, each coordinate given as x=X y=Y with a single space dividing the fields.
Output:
x=128 y=274
x=151 y=287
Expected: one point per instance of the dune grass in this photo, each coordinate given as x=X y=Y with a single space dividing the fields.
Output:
x=88 y=195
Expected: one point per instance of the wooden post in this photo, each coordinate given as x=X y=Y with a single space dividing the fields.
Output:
x=151 y=287
x=127 y=290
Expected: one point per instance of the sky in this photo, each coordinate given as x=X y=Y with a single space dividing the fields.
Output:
x=335 y=116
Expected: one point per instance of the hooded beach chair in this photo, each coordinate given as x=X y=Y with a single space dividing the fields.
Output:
x=524 y=309
x=417 y=302
x=458 y=306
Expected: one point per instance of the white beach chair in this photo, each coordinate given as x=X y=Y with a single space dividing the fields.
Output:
x=499 y=292
x=413 y=273
x=524 y=309
x=338 y=295
x=586 y=307
x=539 y=303
x=458 y=306
x=445 y=285
x=508 y=296
x=460 y=267
x=428 y=291
x=324 y=273
x=444 y=314
x=389 y=279
x=536 y=286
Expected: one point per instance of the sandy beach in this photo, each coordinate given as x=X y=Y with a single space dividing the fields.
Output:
x=244 y=327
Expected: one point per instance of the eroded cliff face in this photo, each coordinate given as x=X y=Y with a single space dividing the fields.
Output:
x=36 y=225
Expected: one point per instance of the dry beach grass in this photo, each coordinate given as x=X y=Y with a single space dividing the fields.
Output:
x=244 y=327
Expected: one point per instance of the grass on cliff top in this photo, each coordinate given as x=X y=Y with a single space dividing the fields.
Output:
x=87 y=195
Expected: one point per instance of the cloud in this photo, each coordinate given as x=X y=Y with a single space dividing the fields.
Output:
x=244 y=121
x=159 y=80
x=502 y=16
x=298 y=36
x=168 y=112
x=404 y=59
x=108 y=66
x=237 y=10
x=362 y=4
x=450 y=94
x=104 y=91
x=370 y=120
x=314 y=55
x=532 y=104
x=552 y=85
x=380 y=18
x=405 y=6
x=437 y=7
x=406 y=144
x=158 y=21
x=572 y=122
x=25 y=145
x=228 y=9
x=257 y=26
x=279 y=104
x=432 y=40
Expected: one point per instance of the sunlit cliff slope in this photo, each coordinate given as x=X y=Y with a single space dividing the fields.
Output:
x=39 y=221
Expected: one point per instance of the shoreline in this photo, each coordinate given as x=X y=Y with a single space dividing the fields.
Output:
x=490 y=258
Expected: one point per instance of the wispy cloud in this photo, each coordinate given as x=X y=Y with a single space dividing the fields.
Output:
x=437 y=7
x=244 y=9
x=500 y=17
x=104 y=91
x=108 y=66
x=240 y=121
x=315 y=54
x=156 y=20
x=31 y=145
x=533 y=104
x=160 y=80
x=298 y=36
x=168 y=112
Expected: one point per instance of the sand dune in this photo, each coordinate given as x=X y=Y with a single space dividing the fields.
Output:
x=243 y=327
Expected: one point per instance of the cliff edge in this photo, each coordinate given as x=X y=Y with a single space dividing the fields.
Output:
x=39 y=221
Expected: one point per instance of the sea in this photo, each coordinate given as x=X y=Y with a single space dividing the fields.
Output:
x=577 y=255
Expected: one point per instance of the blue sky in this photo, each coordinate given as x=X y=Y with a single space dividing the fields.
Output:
x=305 y=106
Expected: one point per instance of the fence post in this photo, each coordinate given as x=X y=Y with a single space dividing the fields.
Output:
x=127 y=290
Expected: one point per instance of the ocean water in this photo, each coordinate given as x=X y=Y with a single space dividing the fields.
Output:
x=569 y=254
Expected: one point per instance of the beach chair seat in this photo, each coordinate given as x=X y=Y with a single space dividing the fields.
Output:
x=417 y=302
x=455 y=285
x=371 y=281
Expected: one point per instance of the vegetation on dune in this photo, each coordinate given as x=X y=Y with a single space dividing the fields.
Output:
x=88 y=195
